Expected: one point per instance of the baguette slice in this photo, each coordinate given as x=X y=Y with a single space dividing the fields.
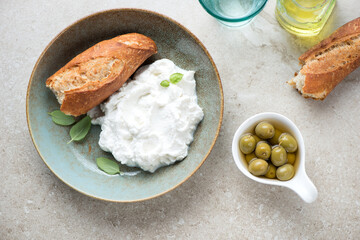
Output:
x=95 y=74
x=326 y=64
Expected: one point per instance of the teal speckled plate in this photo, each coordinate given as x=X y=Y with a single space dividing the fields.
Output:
x=74 y=163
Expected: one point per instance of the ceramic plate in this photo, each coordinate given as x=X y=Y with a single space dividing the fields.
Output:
x=74 y=163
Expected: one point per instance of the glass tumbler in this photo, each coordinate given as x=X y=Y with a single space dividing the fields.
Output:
x=233 y=13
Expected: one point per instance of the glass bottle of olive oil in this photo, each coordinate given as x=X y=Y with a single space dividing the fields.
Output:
x=303 y=17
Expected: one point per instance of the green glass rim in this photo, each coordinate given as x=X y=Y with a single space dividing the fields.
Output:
x=245 y=18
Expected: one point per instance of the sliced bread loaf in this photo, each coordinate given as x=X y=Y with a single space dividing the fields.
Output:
x=326 y=64
x=95 y=74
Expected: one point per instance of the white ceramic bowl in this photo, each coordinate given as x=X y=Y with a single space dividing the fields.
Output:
x=300 y=183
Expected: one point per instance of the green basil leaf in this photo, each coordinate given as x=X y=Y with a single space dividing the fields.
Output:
x=109 y=166
x=176 y=77
x=80 y=129
x=165 y=83
x=61 y=118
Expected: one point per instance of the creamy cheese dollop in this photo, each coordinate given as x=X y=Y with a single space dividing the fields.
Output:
x=147 y=125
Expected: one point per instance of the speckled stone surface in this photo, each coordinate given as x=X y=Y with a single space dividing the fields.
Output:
x=218 y=202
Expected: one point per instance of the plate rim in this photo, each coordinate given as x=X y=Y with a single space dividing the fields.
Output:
x=125 y=10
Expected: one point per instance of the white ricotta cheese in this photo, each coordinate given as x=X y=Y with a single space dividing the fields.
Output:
x=149 y=126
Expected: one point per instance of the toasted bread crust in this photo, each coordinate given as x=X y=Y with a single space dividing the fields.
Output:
x=123 y=54
x=326 y=64
x=321 y=84
x=341 y=34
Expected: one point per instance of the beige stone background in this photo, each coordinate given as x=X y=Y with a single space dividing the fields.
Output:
x=217 y=202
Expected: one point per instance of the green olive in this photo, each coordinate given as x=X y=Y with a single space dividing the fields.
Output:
x=285 y=172
x=247 y=144
x=278 y=156
x=249 y=157
x=258 y=167
x=291 y=158
x=257 y=139
x=264 y=130
x=271 y=172
x=263 y=150
x=288 y=142
x=275 y=139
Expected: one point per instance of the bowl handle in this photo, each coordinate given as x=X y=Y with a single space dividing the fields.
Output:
x=304 y=187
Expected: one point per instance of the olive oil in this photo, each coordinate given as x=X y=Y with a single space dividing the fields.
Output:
x=303 y=17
